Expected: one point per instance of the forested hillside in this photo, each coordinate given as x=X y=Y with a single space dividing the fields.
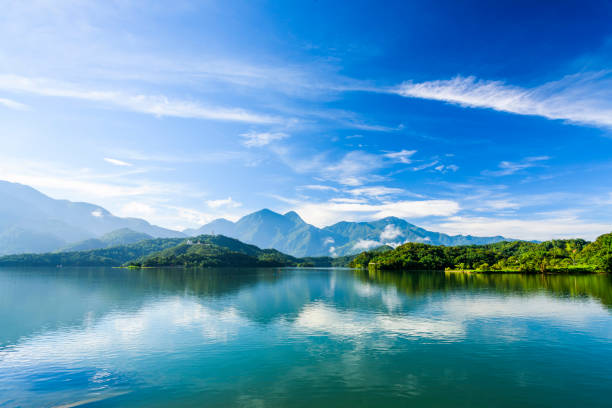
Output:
x=574 y=255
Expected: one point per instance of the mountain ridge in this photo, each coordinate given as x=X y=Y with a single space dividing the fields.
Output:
x=290 y=234
x=30 y=221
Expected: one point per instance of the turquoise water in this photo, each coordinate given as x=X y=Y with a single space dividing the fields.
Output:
x=101 y=337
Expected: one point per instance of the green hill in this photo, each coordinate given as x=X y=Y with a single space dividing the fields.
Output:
x=215 y=250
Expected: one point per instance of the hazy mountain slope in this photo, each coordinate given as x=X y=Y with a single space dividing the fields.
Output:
x=123 y=236
x=32 y=222
x=395 y=231
x=14 y=240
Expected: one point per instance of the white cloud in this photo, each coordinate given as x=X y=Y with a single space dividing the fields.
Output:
x=402 y=156
x=390 y=233
x=554 y=226
x=344 y=200
x=365 y=244
x=9 y=103
x=97 y=213
x=446 y=168
x=259 y=139
x=157 y=105
x=225 y=202
x=117 y=162
x=507 y=168
x=328 y=212
x=376 y=191
x=137 y=209
x=581 y=98
x=318 y=187
x=425 y=166
x=354 y=169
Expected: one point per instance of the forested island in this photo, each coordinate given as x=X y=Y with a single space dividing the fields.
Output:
x=556 y=256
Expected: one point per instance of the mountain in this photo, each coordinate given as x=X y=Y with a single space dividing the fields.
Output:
x=33 y=222
x=393 y=231
x=290 y=234
x=287 y=233
x=123 y=236
x=215 y=251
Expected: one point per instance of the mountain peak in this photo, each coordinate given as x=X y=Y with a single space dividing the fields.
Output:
x=293 y=216
x=395 y=220
x=264 y=212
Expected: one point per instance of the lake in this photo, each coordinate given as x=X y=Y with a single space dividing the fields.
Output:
x=101 y=337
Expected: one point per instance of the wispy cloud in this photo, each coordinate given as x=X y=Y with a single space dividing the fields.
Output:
x=158 y=105
x=355 y=168
x=225 y=202
x=377 y=191
x=425 y=165
x=11 y=104
x=328 y=212
x=582 y=98
x=403 y=156
x=117 y=162
x=507 y=168
x=318 y=187
x=446 y=168
x=259 y=139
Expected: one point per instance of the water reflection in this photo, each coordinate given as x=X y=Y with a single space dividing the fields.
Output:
x=294 y=337
x=414 y=284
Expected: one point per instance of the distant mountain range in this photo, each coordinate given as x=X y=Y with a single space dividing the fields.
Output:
x=288 y=233
x=33 y=222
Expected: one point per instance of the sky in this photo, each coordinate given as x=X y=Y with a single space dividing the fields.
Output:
x=465 y=117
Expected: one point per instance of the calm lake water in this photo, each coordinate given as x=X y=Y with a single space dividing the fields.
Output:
x=102 y=337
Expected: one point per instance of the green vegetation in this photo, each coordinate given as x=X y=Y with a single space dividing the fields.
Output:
x=558 y=256
x=202 y=251
x=115 y=256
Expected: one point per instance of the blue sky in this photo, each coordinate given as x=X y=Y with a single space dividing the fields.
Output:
x=469 y=117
